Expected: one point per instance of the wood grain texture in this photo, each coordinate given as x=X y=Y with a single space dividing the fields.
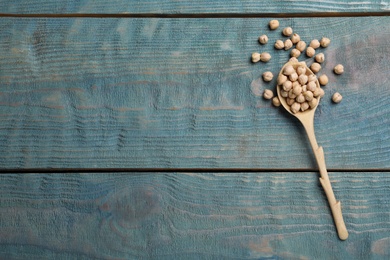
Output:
x=188 y=6
x=191 y=216
x=182 y=93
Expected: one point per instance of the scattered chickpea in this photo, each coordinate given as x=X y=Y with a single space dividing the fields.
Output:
x=314 y=44
x=288 y=44
x=274 y=24
x=336 y=98
x=295 y=107
x=310 y=51
x=268 y=76
x=268 y=94
x=338 y=69
x=279 y=44
x=295 y=53
x=301 y=46
x=255 y=57
x=276 y=101
x=315 y=67
x=263 y=39
x=323 y=79
x=295 y=38
x=325 y=42
x=265 y=57
x=287 y=31
x=320 y=58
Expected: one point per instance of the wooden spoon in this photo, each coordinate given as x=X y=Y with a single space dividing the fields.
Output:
x=307 y=119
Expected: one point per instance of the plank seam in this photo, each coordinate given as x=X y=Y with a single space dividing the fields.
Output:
x=201 y=15
x=194 y=170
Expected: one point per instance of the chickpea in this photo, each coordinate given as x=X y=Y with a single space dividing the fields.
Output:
x=295 y=107
x=274 y=24
x=300 y=98
x=297 y=90
x=265 y=57
x=293 y=77
x=288 y=44
x=314 y=44
x=276 y=101
x=323 y=79
x=324 y=42
x=290 y=101
x=284 y=93
x=268 y=94
x=295 y=38
x=255 y=57
x=281 y=79
x=315 y=67
x=319 y=92
x=268 y=76
x=263 y=39
x=310 y=51
x=339 y=69
x=288 y=70
x=287 y=31
x=336 y=98
x=312 y=77
x=291 y=94
x=308 y=95
x=320 y=58
x=304 y=106
x=302 y=79
x=279 y=45
x=287 y=85
x=311 y=86
x=295 y=53
x=313 y=103
x=301 y=70
x=301 y=46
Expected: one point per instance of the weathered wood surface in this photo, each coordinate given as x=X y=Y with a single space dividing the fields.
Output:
x=190 y=6
x=191 y=216
x=182 y=93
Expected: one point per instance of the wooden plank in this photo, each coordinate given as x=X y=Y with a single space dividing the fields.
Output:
x=190 y=7
x=191 y=216
x=182 y=93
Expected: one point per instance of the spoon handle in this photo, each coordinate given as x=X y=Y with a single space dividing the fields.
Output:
x=335 y=205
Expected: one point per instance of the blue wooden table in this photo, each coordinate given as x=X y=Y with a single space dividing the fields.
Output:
x=137 y=130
